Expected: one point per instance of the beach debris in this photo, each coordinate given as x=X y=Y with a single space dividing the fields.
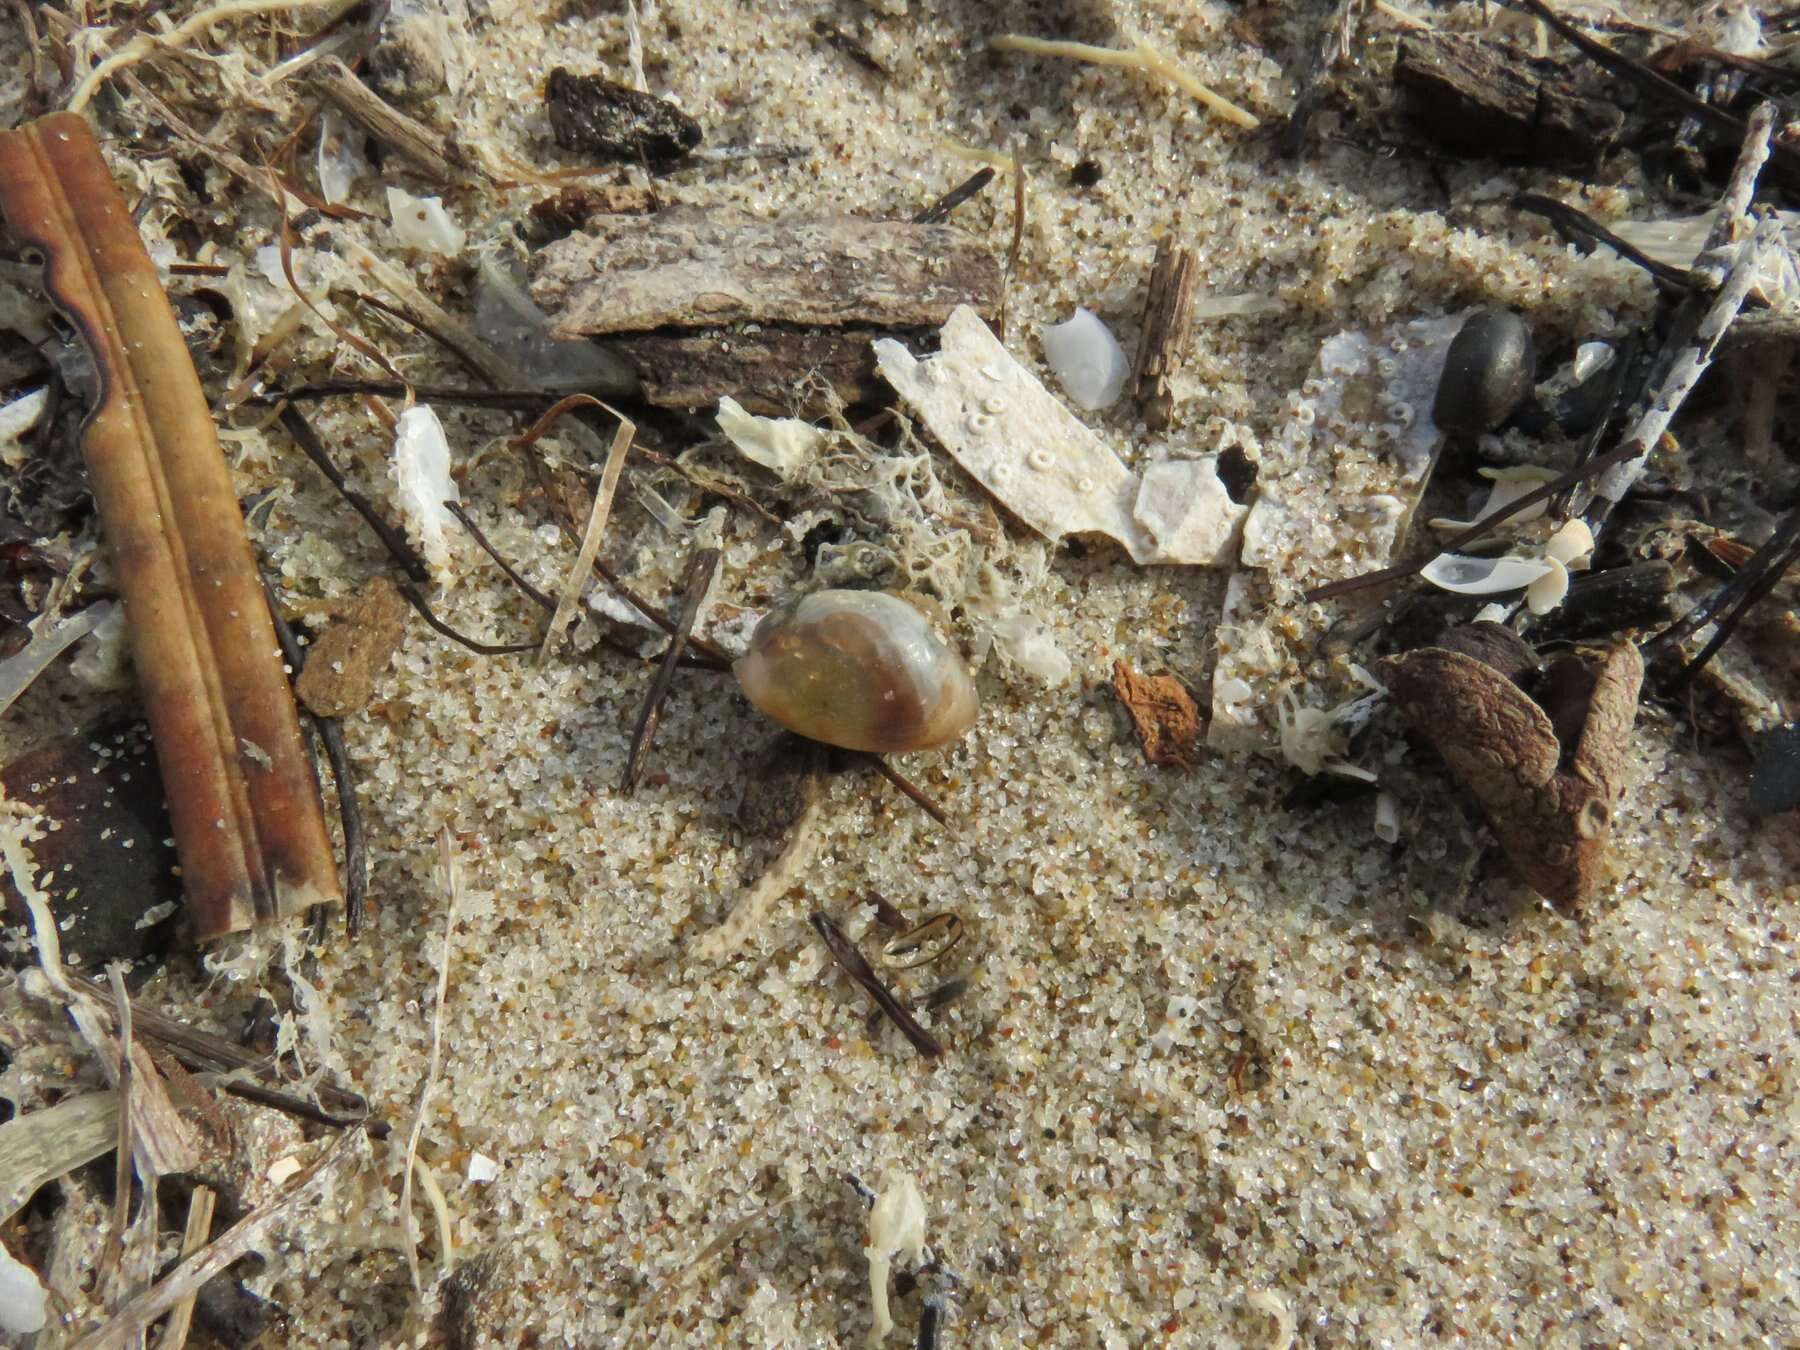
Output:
x=422 y=482
x=213 y=681
x=593 y=116
x=449 y=879
x=1775 y=776
x=1336 y=39
x=858 y=669
x=1168 y=318
x=1044 y=465
x=1547 y=767
x=702 y=569
x=1141 y=57
x=17 y=418
x=570 y=599
x=422 y=223
x=1509 y=485
x=507 y=318
x=1482 y=99
x=1386 y=826
x=927 y=941
x=22 y=1297
x=196 y=1233
x=1163 y=715
x=972 y=186
x=1087 y=359
x=345 y=660
x=896 y=1228
x=856 y=966
x=1490 y=368
x=783 y=445
x=1316 y=740
x=833 y=36
x=1026 y=641
x=50 y=638
x=99 y=853
x=424 y=150
x=705 y=303
x=1616 y=600
x=482 y=1169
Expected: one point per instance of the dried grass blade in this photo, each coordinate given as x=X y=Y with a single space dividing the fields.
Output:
x=452 y=875
x=202 y=640
x=596 y=526
x=41 y=1146
x=193 y=1238
x=701 y=571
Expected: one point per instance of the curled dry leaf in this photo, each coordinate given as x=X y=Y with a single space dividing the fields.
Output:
x=1163 y=715
x=1547 y=772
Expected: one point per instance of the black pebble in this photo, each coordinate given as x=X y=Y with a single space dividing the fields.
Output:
x=1491 y=366
x=594 y=116
x=1775 y=780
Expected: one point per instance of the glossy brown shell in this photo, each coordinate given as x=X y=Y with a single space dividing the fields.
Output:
x=858 y=669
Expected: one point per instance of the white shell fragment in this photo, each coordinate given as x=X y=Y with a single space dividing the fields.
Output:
x=422 y=223
x=783 y=445
x=1024 y=640
x=1483 y=576
x=421 y=474
x=22 y=1297
x=341 y=159
x=482 y=1169
x=1509 y=484
x=896 y=1227
x=1087 y=359
x=1043 y=463
x=17 y=418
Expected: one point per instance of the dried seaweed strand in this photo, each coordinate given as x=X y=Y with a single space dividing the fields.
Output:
x=195 y=1235
x=911 y=790
x=844 y=952
x=113 y=1248
x=452 y=880
x=1574 y=224
x=1759 y=575
x=136 y=1316
x=596 y=526
x=1017 y=247
x=530 y=592
x=437 y=625
x=1141 y=57
x=508 y=399
x=301 y=430
x=701 y=570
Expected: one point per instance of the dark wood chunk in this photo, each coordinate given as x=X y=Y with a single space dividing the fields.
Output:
x=591 y=115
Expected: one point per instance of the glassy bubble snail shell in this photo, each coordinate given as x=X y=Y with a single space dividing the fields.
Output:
x=857 y=669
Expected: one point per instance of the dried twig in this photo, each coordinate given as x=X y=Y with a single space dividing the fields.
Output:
x=701 y=570
x=1731 y=602
x=412 y=140
x=844 y=952
x=1168 y=314
x=1336 y=36
x=294 y=421
x=196 y=1235
x=136 y=1316
x=452 y=877
x=596 y=526
x=911 y=791
x=1142 y=57
x=113 y=1248
x=438 y=626
x=201 y=639
x=940 y=210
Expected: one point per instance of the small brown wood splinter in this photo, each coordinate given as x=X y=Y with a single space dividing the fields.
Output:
x=245 y=807
x=1168 y=315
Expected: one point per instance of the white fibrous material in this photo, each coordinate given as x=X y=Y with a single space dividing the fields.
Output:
x=422 y=223
x=896 y=1227
x=996 y=419
x=21 y=1297
x=783 y=445
x=341 y=160
x=482 y=1169
x=1025 y=641
x=17 y=418
x=104 y=660
x=1509 y=484
x=1087 y=360
x=421 y=474
x=1312 y=741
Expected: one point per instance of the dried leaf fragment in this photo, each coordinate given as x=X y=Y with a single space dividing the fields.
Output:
x=345 y=660
x=1546 y=773
x=1163 y=715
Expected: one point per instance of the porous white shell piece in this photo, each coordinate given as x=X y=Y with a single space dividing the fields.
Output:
x=422 y=223
x=783 y=445
x=1013 y=436
x=341 y=159
x=1185 y=510
x=17 y=418
x=896 y=1226
x=1027 y=642
x=421 y=474
x=21 y=1297
x=1087 y=359
x=1483 y=576
x=1509 y=484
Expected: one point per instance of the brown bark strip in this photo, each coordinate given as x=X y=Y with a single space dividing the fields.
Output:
x=246 y=811
x=1168 y=315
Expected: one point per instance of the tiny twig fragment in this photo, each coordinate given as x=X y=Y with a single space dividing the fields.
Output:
x=1168 y=315
x=412 y=140
x=701 y=570
x=196 y=1235
x=940 y=210
x=844 y=952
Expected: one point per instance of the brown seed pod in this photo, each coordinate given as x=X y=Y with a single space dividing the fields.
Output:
x=857 y=669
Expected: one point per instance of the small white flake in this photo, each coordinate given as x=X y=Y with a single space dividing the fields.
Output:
x=422 y=223
x=482 y=1169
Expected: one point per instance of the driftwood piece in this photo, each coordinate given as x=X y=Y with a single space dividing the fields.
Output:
x=246 y=810
x=763 y=367
x=607 y=121
x=1168 y=315
x=1546 y=773
x=692 y=267
x=1479 y=99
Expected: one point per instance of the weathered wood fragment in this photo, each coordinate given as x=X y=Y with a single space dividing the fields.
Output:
x=1168 y=315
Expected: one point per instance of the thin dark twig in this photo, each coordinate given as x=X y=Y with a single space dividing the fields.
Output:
x=701 y=569
x=437 y=625
x=314 y=449
x=940 y=210
x=1574 y=224
x=298 y=1107
x=844 y=952
x=1754 y=580
x=531 y=592
x=331 y=732
x=1624 y=358
x=713 y=654
x=912 y=790
x=513 y=400
x=463 y=359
